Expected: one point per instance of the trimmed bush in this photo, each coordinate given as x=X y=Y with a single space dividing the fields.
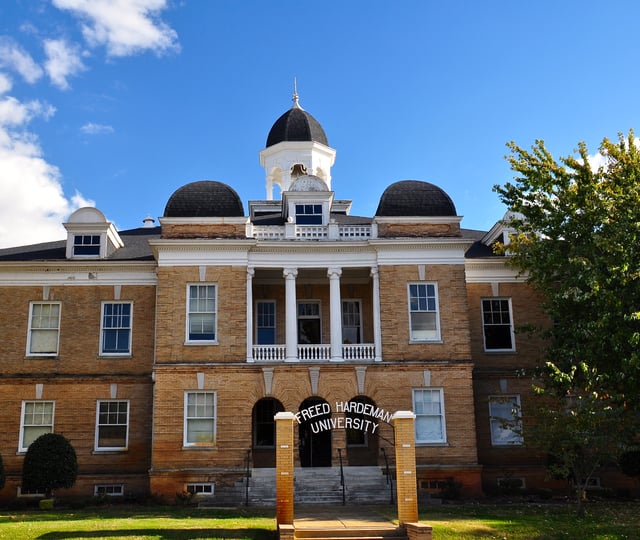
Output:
x=50 y=463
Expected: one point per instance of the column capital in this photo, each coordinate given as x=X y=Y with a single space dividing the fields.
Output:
x=290 y=273
x=334 y=272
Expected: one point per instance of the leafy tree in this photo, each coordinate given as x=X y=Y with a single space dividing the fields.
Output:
x=50 y=463
x=577 y=239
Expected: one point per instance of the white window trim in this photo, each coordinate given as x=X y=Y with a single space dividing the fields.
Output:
x=215 y=312
x=185 y=419
x=438 y=337
x=194 y=485
x=30 y=329
x=511 y=328
x=299 y=317
x=102 y=238
x=492 y=419
x=275 y=321
x=21 y=447
x=102 y=328
x=442 y=414
x=96 y=446
x=357 y=301
x=98 y=487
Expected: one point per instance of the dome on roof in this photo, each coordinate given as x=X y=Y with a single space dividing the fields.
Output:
x=296 y=125
x=308 y=182
x=415 y=198
x=205 y=198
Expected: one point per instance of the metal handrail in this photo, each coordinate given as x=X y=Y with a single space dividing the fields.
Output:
x=388 y=471
x=344 y=495
x=247 y=476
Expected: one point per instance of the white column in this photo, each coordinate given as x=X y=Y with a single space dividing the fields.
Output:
x=291 y=310
x=377 y=332
x=250 y=272
x=334 y=274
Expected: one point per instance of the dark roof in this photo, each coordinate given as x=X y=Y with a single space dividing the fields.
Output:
x=205 y=198
x=136 y=248
x=296 y=125
x=415 y=198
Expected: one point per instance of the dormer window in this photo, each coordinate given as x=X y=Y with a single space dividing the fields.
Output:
x=308 y=214
x=90 y=235
x=86 y=244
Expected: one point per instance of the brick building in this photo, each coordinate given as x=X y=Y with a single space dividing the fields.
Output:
x=163 y=353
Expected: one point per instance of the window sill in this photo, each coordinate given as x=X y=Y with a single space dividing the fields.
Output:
x=500 y=351
x=112 y=451
x=431 y=444
x=426 y=342
x=116 y=356
x=200 y=447
x=199 y=343
x=42 y=357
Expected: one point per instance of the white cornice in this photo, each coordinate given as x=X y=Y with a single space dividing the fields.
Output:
x=70 y=273
x=492 y=270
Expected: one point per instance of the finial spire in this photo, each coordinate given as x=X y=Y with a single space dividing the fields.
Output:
x=295 y=94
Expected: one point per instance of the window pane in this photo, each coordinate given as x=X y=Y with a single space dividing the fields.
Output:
x=202 y=318
x=497 y=328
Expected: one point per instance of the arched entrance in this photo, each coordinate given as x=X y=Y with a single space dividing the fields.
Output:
x=263 y=430
x=314 y=441
x=362 y=444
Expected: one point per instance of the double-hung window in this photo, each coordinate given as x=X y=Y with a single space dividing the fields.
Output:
x=308 y=214
x=199 y=418
x=37 y=419
x=428 y=406
x=351 y=322
x=505 y=420
x=497 y=324
x=112 y=425
x=44 y=329
x=266 y=322
x=116 y=328
x=201 y=313
x=424 y=323
x=86 y=244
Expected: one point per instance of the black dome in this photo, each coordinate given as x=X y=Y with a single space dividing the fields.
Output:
x=296 y=125
x=415 y=198
x=205 y=198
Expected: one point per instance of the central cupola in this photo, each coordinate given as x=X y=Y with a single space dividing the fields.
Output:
x=296 y=146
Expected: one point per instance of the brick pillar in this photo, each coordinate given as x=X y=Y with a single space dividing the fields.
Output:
x=284 y=468
x=407 y=487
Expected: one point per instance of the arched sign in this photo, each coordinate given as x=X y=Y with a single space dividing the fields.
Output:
x=353 y=414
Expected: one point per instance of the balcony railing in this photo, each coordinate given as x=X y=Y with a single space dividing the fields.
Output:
x=332 y=231
x=316 y=352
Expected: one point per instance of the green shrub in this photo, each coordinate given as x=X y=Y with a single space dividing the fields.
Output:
x=50 y=463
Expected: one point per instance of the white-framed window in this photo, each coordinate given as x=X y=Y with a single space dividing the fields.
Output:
x=36 y=419
x=87 y=245
x=201 y=313
x=200 y=488
x=265 y=322
x=28 y=493
x=117 y=322
x=309 y=322
x=424 y=319
x=308 y=214
x=505 y=420
x=199 y=418
x=112 y=425
x=351 y=321
x=108 y=490
x=497 y=324
x=428 y=406
x=44 y=329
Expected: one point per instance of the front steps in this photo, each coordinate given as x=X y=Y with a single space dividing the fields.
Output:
x=313 y=485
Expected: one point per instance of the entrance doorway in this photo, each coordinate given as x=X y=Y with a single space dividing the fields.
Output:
x=362 y=444
x=314 y=444
x=264 y=432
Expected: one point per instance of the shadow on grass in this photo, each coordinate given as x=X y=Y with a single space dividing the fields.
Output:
x=168 y=534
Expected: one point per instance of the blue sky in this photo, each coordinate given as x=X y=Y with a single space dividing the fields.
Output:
x=118 y=103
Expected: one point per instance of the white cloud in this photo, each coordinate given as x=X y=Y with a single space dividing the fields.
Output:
x=124 y=27
x=5 y=83
x=63 y=61
x=14 y=57
x=96 y=129
x=32 y=203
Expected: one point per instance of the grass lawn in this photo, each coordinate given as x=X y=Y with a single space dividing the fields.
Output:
x=604 y=521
